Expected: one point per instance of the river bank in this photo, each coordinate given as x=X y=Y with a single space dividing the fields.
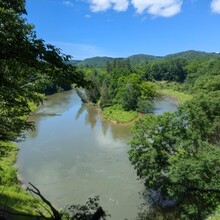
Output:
x=76 y=154
x=179 y=96
x=117 y=115
x=13 y=196
x=82 y=158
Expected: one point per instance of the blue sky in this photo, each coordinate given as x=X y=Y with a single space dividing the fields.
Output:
x=120 y=28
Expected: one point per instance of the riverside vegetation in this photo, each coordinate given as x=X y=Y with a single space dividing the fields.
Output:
x=28 y=68
x=176 y=154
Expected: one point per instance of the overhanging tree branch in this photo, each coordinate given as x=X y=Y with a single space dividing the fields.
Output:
x=36 y=191
x=193 y=188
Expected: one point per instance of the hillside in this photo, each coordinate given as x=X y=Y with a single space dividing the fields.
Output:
x=96 y=61
x=193 y=54
x=138 y=58
x=141 y=57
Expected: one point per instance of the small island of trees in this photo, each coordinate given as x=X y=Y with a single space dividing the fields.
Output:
x=176 y=154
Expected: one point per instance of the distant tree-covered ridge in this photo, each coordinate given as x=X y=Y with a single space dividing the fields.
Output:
x=100 y=61
x=176 y=154
x=120 y=82
x=184 y=68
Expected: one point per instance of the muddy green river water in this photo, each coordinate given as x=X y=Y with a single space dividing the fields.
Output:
x=74 y=154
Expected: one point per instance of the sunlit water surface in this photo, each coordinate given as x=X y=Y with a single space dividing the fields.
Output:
x=74 y=154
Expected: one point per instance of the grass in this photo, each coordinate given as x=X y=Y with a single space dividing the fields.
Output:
x=173 y=90
x=117 y=114
x=180 y=96
x=216 y=215
x=12 y=195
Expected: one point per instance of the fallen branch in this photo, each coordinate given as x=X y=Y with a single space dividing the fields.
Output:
x=56 y=215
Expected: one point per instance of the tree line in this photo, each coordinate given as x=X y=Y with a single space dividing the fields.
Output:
x=176 y=154
x=28 y=67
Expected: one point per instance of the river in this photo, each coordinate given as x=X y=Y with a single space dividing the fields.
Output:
x=74 y=154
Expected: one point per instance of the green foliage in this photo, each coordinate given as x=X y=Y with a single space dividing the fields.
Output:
x=129 y=97
x=119 y=85
x=207 y=83
x=145 y=106
x=193 y=54
x=11 y=194
x=131 y=90
x=116 y=113
x=140 y=58
x=27 y=66
x=118 y=68
x=165 y=69
x=195 y=178
x=148 y=90
x=87 y=211
x=204 y=115
x=15 y=199
x=93 y=92
x=105 y=99
x=180 y=96
x=199 y=71
x=177 y=154
x=7 y=159
x=201 y=68
x=216 y=215
x=95 y=61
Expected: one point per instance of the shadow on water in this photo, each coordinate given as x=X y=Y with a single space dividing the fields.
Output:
x=93 y=116
x=56 y=105
x=157 y=208
x=74 y=154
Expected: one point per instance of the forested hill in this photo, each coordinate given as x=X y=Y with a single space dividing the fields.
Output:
x=138 y=58
x=194 y=54
x=101 y=61
x=97 y=61
x=141 y=57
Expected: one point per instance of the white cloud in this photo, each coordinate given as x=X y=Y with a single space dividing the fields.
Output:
x=103 y=5
x=120 y=5
x=88 y=16
x=164 y=8
x=67 y=3
x=215 y=6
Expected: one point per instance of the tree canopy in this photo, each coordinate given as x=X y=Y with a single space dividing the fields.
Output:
x=178 y=155
x=27 y=66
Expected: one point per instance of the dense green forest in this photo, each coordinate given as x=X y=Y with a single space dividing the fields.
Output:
x=29 y=69
x=176 y=154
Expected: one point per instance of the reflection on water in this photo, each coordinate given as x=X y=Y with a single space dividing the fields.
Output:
x=164 y=103
x=74 y=154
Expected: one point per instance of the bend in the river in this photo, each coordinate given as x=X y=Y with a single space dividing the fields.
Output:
x=74 y=154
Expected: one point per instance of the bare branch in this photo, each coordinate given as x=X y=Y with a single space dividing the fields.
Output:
x=36 y=191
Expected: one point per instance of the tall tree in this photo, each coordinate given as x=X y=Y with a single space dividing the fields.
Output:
x=27 y=66
x=176 y=154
